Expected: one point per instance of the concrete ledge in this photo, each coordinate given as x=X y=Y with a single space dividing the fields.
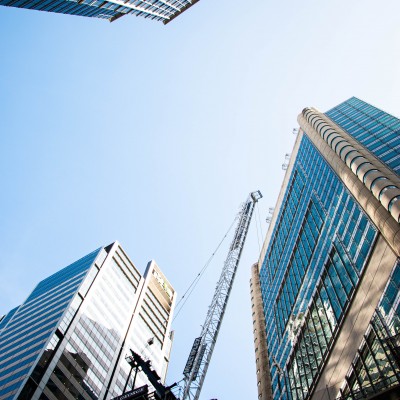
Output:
x=382 y=218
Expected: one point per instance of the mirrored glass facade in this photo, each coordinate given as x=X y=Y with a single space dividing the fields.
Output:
x=373 y=128
x=29 y=327
x=159 y=10
x=323 y=249
x=70 y=338
x=376 y=367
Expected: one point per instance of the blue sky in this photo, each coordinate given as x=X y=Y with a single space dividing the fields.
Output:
x=153 y=135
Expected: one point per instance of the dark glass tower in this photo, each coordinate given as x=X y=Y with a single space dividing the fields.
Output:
x=69 y=339
x=329 y=269
x=159 y=10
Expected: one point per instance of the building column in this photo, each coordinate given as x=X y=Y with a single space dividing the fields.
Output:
x=264 y=386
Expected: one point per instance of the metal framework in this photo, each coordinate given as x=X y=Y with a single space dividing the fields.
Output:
x=159 y=10
x=200 y=356
x=161 y=392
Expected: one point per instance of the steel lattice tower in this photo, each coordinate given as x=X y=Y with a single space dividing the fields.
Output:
x=203 y=346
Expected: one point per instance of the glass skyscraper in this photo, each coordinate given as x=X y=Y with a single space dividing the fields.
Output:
x=329 y=271
x=159 y=10
x=70 y=337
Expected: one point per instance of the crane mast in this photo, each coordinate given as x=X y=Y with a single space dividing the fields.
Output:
x=203 y=346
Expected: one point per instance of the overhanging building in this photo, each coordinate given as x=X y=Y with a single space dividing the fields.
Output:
x=329 y=270
x=70 y=337
x=159 y=10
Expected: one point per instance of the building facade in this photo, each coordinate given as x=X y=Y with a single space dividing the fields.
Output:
x=263 y=372
x=329 y=269
x=159 y=10
x=70 y=337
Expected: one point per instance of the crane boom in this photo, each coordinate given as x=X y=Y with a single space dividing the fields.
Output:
x=203 y=346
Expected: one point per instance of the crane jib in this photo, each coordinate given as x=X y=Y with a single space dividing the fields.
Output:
x=203 y=346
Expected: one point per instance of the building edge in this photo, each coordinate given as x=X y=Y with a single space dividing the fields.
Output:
x=263 y=373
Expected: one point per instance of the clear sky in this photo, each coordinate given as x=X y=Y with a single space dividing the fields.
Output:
x=153 y=135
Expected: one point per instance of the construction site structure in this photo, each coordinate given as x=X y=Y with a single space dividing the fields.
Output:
x=157 y=392
x=200 y=355
x=199 y=358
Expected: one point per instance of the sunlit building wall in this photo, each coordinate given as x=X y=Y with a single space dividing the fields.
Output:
x=329 y=269
x=69 y=339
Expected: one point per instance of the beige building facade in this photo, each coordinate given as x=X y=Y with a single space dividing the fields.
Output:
x=264 y=389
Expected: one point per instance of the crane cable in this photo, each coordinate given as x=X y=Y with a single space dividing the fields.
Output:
x=196 y=280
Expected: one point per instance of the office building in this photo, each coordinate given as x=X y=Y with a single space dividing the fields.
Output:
x=159 y=10
x=329 y=270
x=70 y=337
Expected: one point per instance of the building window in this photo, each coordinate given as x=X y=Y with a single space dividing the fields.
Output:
x=364 y=163
x=394 y=200
x=384 y=190
x=369 y=172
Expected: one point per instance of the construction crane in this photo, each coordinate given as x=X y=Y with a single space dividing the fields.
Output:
x=200 y=355
x=203 y=346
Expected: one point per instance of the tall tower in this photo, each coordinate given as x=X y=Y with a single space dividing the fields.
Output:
x=70 y=337
x=159 y=10
x=330 y=269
